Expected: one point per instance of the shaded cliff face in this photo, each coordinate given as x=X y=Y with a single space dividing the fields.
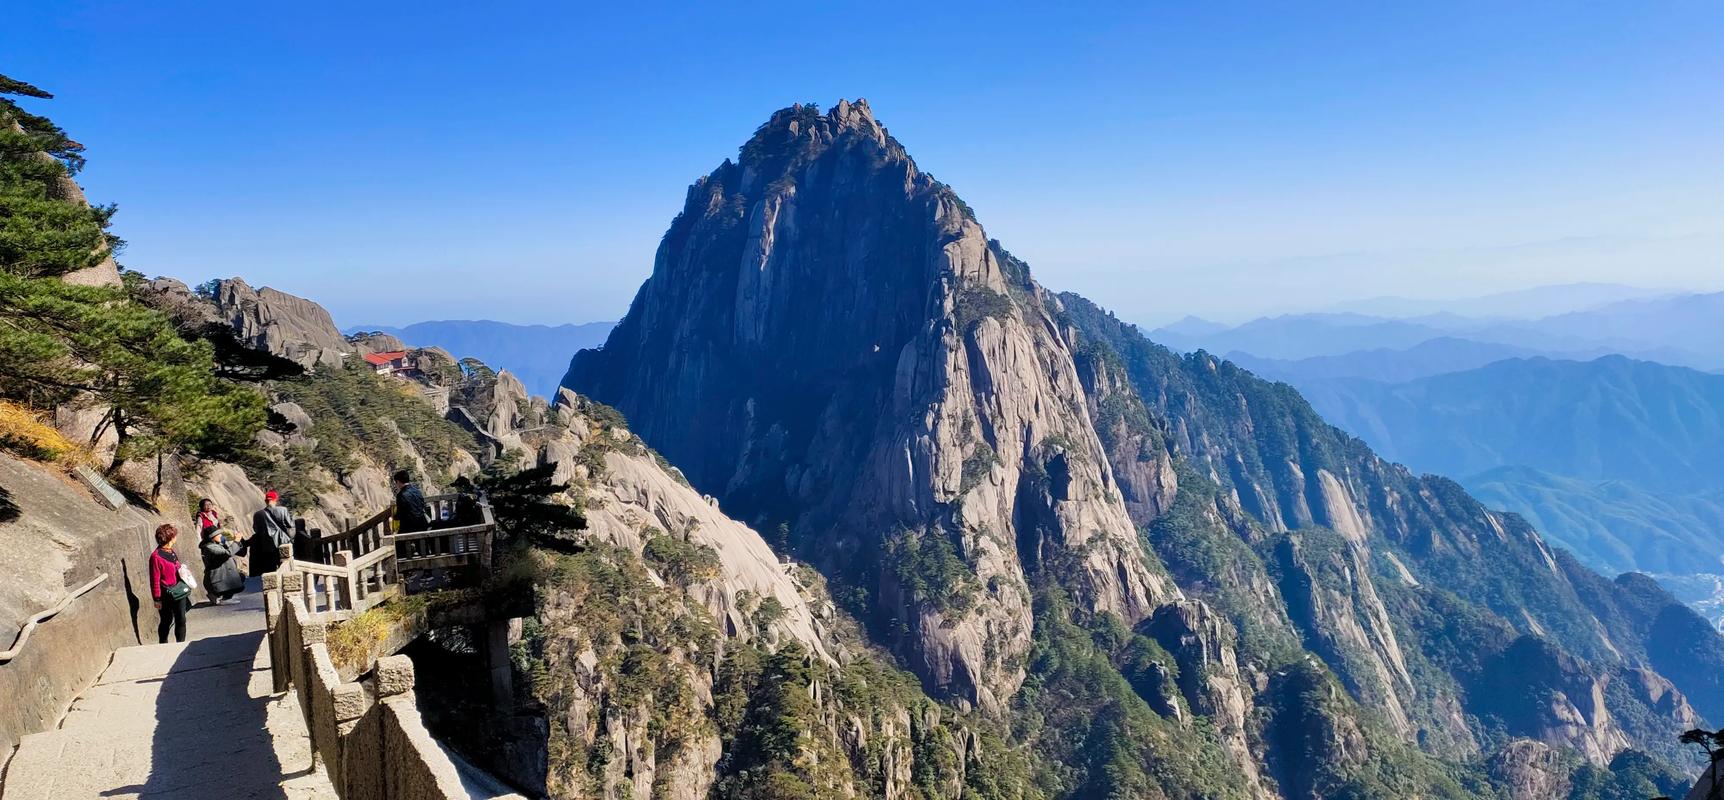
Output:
x=830 y=343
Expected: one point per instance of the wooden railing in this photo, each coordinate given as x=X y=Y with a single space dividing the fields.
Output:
x=349 y=572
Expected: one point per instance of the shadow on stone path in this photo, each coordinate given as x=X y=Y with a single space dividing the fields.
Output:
x=188 y=720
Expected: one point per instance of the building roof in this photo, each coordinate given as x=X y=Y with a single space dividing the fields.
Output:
x=379 y=359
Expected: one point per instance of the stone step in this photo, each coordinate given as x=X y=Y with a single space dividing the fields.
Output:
x=187 y=720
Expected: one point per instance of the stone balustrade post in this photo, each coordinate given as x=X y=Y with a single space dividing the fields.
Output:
x=345 y=595
x=275 y=630
x=394 y=675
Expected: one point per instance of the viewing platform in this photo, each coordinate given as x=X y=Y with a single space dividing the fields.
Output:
x=354 y=570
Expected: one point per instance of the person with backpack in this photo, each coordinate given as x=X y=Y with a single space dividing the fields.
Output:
x=222 y=578
x=168 y=585
x=271 y=527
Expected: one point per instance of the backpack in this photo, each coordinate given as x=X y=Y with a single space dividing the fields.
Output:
x=279 y=525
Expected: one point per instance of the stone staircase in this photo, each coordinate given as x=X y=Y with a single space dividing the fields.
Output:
x=191 y=720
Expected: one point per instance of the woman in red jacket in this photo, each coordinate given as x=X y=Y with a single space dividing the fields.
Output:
x=173 y=597
x=208 y=517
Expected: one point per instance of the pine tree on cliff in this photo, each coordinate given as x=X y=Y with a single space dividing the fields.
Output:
x=60 y=342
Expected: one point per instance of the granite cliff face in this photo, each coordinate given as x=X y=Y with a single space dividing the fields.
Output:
x=831 y=345
x=655 y=650
x=829 y=342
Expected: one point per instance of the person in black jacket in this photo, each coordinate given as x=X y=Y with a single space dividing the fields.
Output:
x=411 y=514
x=271 y=527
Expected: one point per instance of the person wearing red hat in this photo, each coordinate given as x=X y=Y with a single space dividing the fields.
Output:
x=271 y=527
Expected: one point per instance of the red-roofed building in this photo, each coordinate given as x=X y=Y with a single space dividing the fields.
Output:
x=389 y=363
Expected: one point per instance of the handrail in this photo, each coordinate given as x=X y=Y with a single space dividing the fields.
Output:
x=372 y=558
x=353 y=570
x=43 y=616
x=315 y=568
x=355 y=531
x=437 y=533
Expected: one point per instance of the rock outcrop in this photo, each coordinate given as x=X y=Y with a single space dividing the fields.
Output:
x=830 y=342
x=1209 y=676
x=60 y=539
x=1531 y=770
x=280 y=323
x=1548 y=695
x=642 y=643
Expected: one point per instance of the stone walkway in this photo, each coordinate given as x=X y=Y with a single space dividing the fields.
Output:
x=193 y=720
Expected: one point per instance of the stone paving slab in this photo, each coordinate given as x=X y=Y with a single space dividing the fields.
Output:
x=156 y=661
x=188 y=720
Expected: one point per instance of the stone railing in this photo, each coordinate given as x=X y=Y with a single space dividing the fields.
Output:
x=348 y=586
x=463 y=551
x=367 y=733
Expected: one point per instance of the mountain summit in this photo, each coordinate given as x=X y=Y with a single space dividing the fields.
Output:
x=1166 y=577
x=829 y=342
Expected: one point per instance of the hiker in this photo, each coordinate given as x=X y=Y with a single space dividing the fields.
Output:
x=271 y=527
x=468 y=497
x=222 y=578
x=411 y=515
x=208 y=518
x=168 y=587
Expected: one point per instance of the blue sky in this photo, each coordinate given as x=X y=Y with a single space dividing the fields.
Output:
x=408 y=161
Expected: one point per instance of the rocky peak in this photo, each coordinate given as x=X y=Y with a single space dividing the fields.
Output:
x=280 y=323
x=830 y=342
x=801 y=133
x=832 y=348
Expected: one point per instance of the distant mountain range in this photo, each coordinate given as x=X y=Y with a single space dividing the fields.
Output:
x=537 y=354
x=1612 y=418
x=1430 y=357
x=1680 y=329
x=1533 y=303
x=1583 y=407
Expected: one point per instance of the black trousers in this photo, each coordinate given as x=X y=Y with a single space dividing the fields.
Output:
x=173 y=616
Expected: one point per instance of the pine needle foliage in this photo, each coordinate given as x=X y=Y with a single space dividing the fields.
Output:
x=61 y=343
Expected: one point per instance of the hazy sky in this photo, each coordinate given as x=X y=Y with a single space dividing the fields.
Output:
x=410 y=161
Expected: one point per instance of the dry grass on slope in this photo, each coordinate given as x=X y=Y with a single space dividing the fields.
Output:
x=27 y=433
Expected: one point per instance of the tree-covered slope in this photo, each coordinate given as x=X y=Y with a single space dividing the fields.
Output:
x=1613 y=526
x=1616 y=459
x=1458 y=583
